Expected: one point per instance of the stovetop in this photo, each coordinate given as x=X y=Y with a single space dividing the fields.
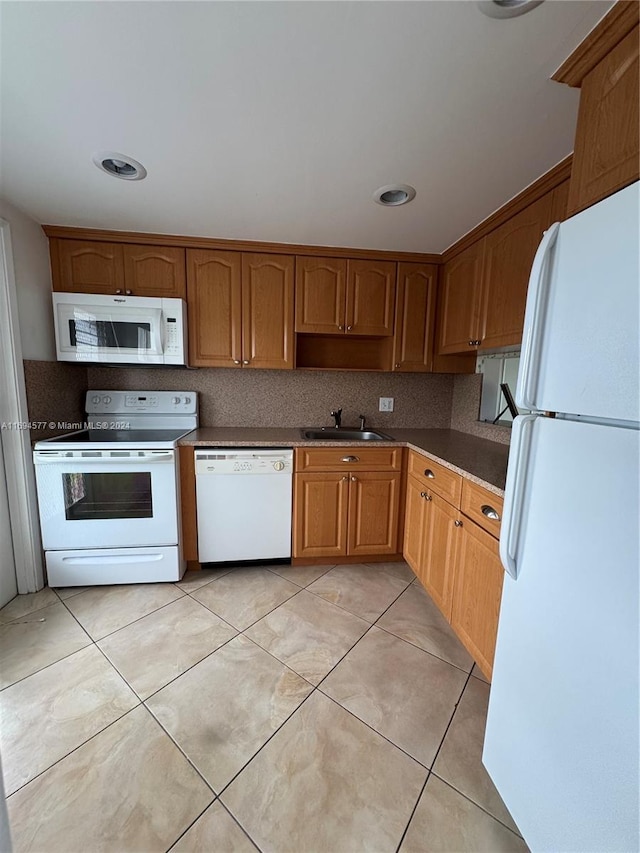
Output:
x=111 y=436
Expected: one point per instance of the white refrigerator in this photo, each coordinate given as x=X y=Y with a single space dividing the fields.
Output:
x=562 y=738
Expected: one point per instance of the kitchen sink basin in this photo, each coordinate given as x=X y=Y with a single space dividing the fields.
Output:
x=344 y=434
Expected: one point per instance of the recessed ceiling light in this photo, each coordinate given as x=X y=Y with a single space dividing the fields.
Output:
x=119 y=165
x=507 y=8
x=394 y=194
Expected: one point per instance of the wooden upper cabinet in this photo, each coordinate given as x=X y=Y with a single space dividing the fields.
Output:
x=155 y=271
x=459 y=298
x=477 y=591
x=370 y=297
x=508 y=256
x=214 y=303
x=415 y=315
x=607 y=147
x=84 y=266
x=559 y=202
x=267 y=311
x=321 y=290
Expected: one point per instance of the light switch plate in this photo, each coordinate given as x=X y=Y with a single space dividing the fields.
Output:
x=386 y=404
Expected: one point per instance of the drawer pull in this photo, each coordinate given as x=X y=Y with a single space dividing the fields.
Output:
x=490 y=512
x=350 y=459
x=429 y=474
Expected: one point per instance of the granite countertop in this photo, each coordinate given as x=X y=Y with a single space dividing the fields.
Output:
x=482 y=461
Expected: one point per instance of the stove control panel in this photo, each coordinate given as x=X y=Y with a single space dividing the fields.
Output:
x=152 y=402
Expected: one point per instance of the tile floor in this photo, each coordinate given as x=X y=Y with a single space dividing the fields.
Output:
x=309 y=709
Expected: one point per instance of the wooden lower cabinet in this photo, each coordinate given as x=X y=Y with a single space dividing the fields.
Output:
x=477 y=591
x=338 y=514
x=429 y=542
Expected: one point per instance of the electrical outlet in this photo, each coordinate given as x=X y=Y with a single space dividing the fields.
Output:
x=386 y=404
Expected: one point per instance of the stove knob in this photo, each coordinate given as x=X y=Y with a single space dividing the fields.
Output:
x=106 y=400
x=95 y=399
x=176 y=400
x=187 y=399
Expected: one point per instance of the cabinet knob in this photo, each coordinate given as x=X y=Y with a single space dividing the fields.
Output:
x=349 y=328
x=350 y=459
x=245 y=361
x=346 y=477
x=427 y=497
x=341 y=328
x=118 y=291
x=397 y=364
x=423 y=494
x=128 y=292
x=428 y=473
x=236 y=361
x=354 y=479
x=458 y=523
x=490 y=512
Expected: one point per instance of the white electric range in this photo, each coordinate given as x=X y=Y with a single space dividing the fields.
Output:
x=109 y=495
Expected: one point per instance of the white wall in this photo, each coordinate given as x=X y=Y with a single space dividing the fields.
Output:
x=33 y=283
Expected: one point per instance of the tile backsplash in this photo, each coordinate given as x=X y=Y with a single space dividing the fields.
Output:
x=263 y=398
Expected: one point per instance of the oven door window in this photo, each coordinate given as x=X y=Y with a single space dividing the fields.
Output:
x=107 y=495
x=92 y=333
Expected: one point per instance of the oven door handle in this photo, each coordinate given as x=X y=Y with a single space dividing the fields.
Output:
x=146 y=459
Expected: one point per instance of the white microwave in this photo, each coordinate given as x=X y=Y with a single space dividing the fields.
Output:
x=120 y=329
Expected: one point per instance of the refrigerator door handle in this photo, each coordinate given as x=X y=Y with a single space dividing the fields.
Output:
x=532 y=335
x=515 y=489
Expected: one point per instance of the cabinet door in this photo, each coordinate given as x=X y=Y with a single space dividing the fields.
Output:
x=559 y=202
x=478 y=588
x=374 y=500
x=415 y=303
x=508 y=256
x=459 y=298
x=371 y=288
x=267 y=311
x=607 y=148
x=320 y=514
x=155 y=271
x=439 y=555
x=320 y=295
x=414 y=523
x=214 y=302
x=85 y=266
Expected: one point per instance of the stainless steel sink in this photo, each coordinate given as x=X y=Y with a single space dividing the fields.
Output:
x=344 y=434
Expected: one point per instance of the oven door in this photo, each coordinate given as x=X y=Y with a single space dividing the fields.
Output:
x=107 y=499
x=108 y=333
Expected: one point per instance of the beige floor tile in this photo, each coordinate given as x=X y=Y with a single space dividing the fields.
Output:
x=415 y=618
x=127 y=789
x=402 y=692
x=194 y=580
x=225 y=708
x=157 y=648
x=245 y=595
x=37 y=640
x=101 y=610
x=215 y=832
x=399 y=569
x=326 y=782
x=459 y=761
x=308 y=634
x=446 y=822
x=65 y=592
x=478 y=673
x=301 y=575
x=366 y=591
x=50 y=713
x=22 y=605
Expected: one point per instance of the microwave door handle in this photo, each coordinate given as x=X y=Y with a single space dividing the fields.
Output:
x=158 y=327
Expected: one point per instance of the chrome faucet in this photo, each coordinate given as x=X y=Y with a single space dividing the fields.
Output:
x=362 y=422
x=337 y=415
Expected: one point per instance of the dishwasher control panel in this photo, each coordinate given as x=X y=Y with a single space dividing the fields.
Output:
x=216 y=461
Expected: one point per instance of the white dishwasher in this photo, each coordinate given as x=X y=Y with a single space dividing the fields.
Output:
x=244 y=504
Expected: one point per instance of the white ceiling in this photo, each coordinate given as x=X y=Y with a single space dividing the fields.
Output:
x=278 y=120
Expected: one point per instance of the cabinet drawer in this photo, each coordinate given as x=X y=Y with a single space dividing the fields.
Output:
x=434 y=476
x=348 y=459
x=482 y=506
